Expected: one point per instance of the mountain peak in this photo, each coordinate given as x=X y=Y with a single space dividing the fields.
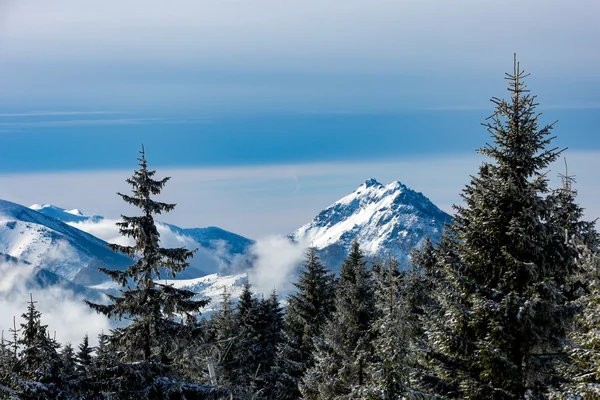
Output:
x=390 y=218
x=372 y=182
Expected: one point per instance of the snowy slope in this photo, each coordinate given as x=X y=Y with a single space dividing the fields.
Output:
x=390 y=218
x=218 y=250
x=212 y=286
x=47 y=243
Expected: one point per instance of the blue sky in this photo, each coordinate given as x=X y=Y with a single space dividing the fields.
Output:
x=265 y=86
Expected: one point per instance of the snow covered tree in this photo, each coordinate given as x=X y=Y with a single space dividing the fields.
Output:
x=226 y=333
x=155 y=311
x=254 y=354
x=84 y=355
x=393 y=330
x=307 y=312
x=343 y=352
x=503 y=306
x=39 y=358
x=580 y=370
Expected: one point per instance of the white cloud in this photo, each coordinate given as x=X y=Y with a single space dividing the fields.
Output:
x=277 y=259
x=63 y=312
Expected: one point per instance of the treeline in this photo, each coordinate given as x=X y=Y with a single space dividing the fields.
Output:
x=505 y=306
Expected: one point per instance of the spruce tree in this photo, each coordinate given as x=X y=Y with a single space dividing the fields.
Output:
x=39 y=364
x=247 y=365
x=503 y=305
x=393 y=331
x=151 y=308
x=84 y=355
x=579 y=370
x=225 y=334
x=307 y=312
x=269 y=338
x=346 y=347
x=39 y=357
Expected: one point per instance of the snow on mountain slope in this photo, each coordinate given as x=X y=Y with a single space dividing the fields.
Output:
x=211 y=286
x=391 y=218
x=218 y=249
x=50 y=244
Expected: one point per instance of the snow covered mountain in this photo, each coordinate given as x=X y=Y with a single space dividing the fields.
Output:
x=384 y=219
x=54 y=246
x=219 y=251
x=391 y=218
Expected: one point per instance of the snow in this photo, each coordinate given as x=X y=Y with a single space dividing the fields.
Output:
x=211 y=286
x=377 y=216
x=48 y=243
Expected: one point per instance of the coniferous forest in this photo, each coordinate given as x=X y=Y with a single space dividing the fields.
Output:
x=505 y=306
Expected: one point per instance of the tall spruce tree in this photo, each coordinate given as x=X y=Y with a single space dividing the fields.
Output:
x=344 y=351
x=393 y=330
x=151 y=308
x=502 y=299
x=225 y=334
x=307 y=312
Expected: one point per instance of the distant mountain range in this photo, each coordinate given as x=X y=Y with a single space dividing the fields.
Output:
x=66 y=246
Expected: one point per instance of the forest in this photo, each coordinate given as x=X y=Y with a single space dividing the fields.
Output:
x=505 y=306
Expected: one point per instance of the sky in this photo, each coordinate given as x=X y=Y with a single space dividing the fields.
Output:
x=265 y=112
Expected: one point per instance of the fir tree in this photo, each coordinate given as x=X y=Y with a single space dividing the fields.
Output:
x=580 y=370
x=307 y=312
x=84 y=355
x=345 y=349
x=393 y=331
x=225 y=334
x=503 y=316
x=39 y=356
x=150 y=307
x=247 y=364
x=269 y=334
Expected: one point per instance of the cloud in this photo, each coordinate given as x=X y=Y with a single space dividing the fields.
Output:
x=258 y=201
x=267 y=54
x=276 y=261
x=205 y=261
x=63 y=312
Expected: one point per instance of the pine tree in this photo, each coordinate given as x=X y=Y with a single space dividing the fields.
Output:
x=84 y=355
x=69 y=377
x=39 y=356
x=503 y=306
x=247 y=364
x=269 y=335
x=579 y=370
x=150 y=307
x=39 y=364
x=307 y=312
x=225 y=334
x=345 y=349
x=394 y=329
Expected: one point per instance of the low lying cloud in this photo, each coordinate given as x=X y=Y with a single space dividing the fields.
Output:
x=276 y=260
x=204 y=261
x=63 y=311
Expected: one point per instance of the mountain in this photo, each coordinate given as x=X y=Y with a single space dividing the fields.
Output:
x=219 y=251
x=54 y=246
x=384 y=219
